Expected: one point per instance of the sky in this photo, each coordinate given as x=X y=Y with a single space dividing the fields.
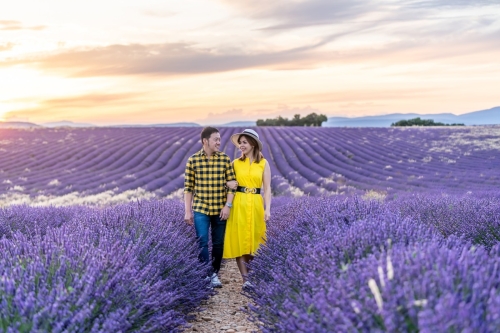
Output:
x=215 y=61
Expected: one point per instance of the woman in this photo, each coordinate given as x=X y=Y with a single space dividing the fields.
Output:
x=246 y=225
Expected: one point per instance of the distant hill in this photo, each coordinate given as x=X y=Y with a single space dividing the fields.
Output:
x=239 y=124
x=17 y=124
x=66 y=123
x=483 y=117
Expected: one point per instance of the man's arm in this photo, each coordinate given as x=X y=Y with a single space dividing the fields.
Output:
x=230 y=176
x=232 y=184
x=189 y=178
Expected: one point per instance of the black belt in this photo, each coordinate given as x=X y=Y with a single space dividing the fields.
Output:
x=248 y=190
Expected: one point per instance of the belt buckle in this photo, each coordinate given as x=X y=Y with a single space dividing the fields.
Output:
x=248 y=190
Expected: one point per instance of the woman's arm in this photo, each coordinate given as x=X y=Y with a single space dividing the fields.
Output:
x=233 y=184
x=267 y=191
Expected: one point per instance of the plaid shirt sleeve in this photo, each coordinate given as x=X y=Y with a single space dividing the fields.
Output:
x=189 y=177
x=230 y=174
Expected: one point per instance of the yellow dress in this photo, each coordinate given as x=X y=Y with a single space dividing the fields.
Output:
x=245 y=227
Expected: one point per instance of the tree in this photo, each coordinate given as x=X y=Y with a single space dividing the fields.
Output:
x=421 y=122
x=311 y=119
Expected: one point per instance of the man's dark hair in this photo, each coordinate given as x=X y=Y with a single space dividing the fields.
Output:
x=207 y=132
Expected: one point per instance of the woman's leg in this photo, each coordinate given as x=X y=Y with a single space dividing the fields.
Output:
x=240 y=261
x=247 y=258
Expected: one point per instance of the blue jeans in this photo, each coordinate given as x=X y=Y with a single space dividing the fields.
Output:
x=202 y=224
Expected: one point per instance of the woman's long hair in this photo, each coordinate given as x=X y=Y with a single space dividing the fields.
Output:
x=257 y=155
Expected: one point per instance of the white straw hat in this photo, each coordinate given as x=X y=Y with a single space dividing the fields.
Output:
x=249 y=132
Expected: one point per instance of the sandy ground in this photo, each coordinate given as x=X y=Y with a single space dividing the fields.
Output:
x=224 y=311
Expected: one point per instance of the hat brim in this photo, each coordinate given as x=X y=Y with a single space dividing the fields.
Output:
x=234 y=139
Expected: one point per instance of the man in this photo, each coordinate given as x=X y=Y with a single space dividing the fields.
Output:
x=207 y=173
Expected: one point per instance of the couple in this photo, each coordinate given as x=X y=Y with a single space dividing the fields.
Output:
x=225 y=198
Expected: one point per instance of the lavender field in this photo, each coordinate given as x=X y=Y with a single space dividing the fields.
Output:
x=426 y=263
x=113 y=165
x=372 y=230
x=130 y=268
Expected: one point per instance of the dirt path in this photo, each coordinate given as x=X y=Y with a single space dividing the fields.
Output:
x=223 y=312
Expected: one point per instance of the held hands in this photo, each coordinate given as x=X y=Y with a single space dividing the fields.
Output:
x=233 y=184
x=188 y=218
x=224 y=214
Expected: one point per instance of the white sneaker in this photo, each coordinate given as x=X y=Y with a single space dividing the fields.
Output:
x=208 y=278
x=246 y=285
x=215 y=281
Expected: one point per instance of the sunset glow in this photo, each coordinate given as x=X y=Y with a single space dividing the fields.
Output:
x=215 y=61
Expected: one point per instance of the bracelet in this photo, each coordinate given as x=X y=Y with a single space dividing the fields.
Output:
x=229 y=204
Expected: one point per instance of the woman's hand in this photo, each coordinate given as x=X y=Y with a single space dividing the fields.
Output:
x=233 y=184
x=267 y=215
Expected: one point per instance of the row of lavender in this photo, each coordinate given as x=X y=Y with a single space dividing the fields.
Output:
x=131 y=268
x=423 y=263
x=313 y=161
x=418 y=264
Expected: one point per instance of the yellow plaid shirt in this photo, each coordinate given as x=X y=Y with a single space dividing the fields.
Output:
x=207 y=178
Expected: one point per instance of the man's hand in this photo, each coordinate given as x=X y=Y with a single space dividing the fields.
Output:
x=232 y=184
x=188 y=218
x=224 y=214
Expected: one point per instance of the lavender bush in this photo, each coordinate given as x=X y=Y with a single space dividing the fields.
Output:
x=476 y=219
x=350 y=265
x=427 y=287
x=130 y=268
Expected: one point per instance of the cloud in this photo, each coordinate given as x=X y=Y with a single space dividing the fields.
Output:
x=57 y=108
x=6 y=46
x=283 y=14
x=159 y=13
x=430 y=4
x=84 y=101
x=165 y=59
x=361 y=31
x=174 y=59
x=289 y=14
x=177 y=59
x=17 y=25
